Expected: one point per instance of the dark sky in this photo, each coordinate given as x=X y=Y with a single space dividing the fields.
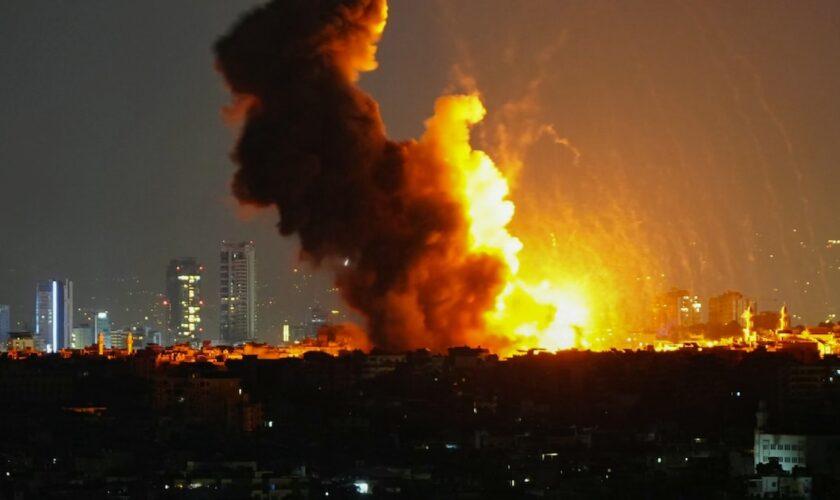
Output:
x=699 y=138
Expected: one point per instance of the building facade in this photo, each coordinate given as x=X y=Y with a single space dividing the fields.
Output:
x=54 y=314
x=183 y=293
x=237 y=292
x=82 y=336
x=102 y=324
x=727 y=307
x=5 y=324
x=675 y=310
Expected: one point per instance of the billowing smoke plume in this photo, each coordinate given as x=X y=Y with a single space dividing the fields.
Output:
x=314 y=145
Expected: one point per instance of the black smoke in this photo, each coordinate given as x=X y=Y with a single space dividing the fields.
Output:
x=314 y=145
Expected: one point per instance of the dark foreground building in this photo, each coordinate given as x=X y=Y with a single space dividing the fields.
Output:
x=574 y=425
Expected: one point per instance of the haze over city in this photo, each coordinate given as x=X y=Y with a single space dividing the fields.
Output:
x=693 y=140
x=295 y=249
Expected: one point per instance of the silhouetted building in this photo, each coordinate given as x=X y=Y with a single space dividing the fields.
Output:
x=317 y=319
x=119 y=339
x=183 y=291
x=53 y=313
x=82 y=336
x=21 y=341
x=159 y=313
x=676 y=309
x=237 y=292
x=727 y=307
x=767 y=320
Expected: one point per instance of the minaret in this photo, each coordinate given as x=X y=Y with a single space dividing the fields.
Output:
x=748 y=324
x=100 y=343
x=784 y=319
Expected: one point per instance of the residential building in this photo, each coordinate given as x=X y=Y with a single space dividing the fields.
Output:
x=183 y=292
x=237 y=292
x=82 y=336
x=22 y=341
x=727 y=307
x=675 y=310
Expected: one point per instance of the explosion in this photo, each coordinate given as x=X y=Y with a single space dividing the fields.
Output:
x=416 y=232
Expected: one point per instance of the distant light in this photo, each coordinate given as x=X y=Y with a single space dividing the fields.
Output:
x=346 y=262
x=527 y=479
x=271 y=424
x=362 y=487
x=659 y=460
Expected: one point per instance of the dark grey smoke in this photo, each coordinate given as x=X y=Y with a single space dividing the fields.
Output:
x=314 y=145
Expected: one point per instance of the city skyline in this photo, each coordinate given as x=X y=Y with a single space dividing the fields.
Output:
x=727 y=182
x=420 y=249
x=156 y=313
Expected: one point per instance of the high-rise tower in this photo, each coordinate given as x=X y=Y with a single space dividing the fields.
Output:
x=237 y=292
x=54 y=313
x=5 y=325
x=183 y=292
x=102 y=324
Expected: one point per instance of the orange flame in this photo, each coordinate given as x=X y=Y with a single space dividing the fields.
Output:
x=545 y=314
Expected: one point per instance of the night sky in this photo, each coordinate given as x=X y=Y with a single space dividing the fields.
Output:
x=702 y=135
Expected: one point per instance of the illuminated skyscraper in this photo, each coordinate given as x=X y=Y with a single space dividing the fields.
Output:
x=183 y=291
x=102 y=324
x=54 y=313
x=237 y=292
x=5 y=325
